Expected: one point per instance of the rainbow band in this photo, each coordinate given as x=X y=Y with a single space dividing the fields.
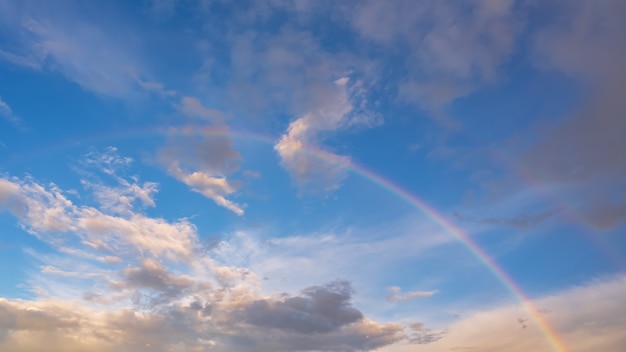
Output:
x=551 y=336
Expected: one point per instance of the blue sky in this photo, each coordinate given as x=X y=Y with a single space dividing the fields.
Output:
x=188 y=175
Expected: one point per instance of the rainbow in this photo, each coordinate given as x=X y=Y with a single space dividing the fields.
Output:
x=550 y=334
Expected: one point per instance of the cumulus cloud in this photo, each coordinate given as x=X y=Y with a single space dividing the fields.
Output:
x=394 y=295
x=319 y=310
x=161 y=292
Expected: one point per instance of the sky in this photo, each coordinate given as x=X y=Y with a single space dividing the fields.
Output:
x=313 y=175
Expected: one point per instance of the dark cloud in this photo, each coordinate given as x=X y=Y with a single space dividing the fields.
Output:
x=320 y=309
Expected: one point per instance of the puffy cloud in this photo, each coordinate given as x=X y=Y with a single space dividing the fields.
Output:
x=394 y=294
x=319 y=310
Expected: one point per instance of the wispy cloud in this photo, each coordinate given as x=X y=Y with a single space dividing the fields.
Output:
x=7 y=113
x=451 y=48
x=297 y=147
x=394 y=294
x=162 y=291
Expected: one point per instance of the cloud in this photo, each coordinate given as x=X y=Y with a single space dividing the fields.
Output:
x=7 y=113
x=100 y=60
x=448 y=49
x=594 y=325
x=215 y=188
x=394 y=295
x=296 y=148
x=319 y=310
x=162 y=292
x=192 y=107
x=210 y=157
x=582 y=150
x=47 y=213
x=332 y=253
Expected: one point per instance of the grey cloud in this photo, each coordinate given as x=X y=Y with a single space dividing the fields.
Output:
x=202 y=160
x=321 y=309
x=214 y=154
x=585 y=150
x=100 y=60
x=425 y=337
x=450 y=47
x=153 y=276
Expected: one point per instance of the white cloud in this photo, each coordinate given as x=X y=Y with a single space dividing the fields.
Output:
x=47 y=213
x=215 y=188
x=394 y=295
x=295 y=148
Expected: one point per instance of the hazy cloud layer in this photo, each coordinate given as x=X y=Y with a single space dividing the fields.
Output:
x=584 y=150
x=450 y=47
x=594 y=325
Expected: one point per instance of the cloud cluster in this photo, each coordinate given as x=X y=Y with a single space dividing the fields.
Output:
x=124 y=281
